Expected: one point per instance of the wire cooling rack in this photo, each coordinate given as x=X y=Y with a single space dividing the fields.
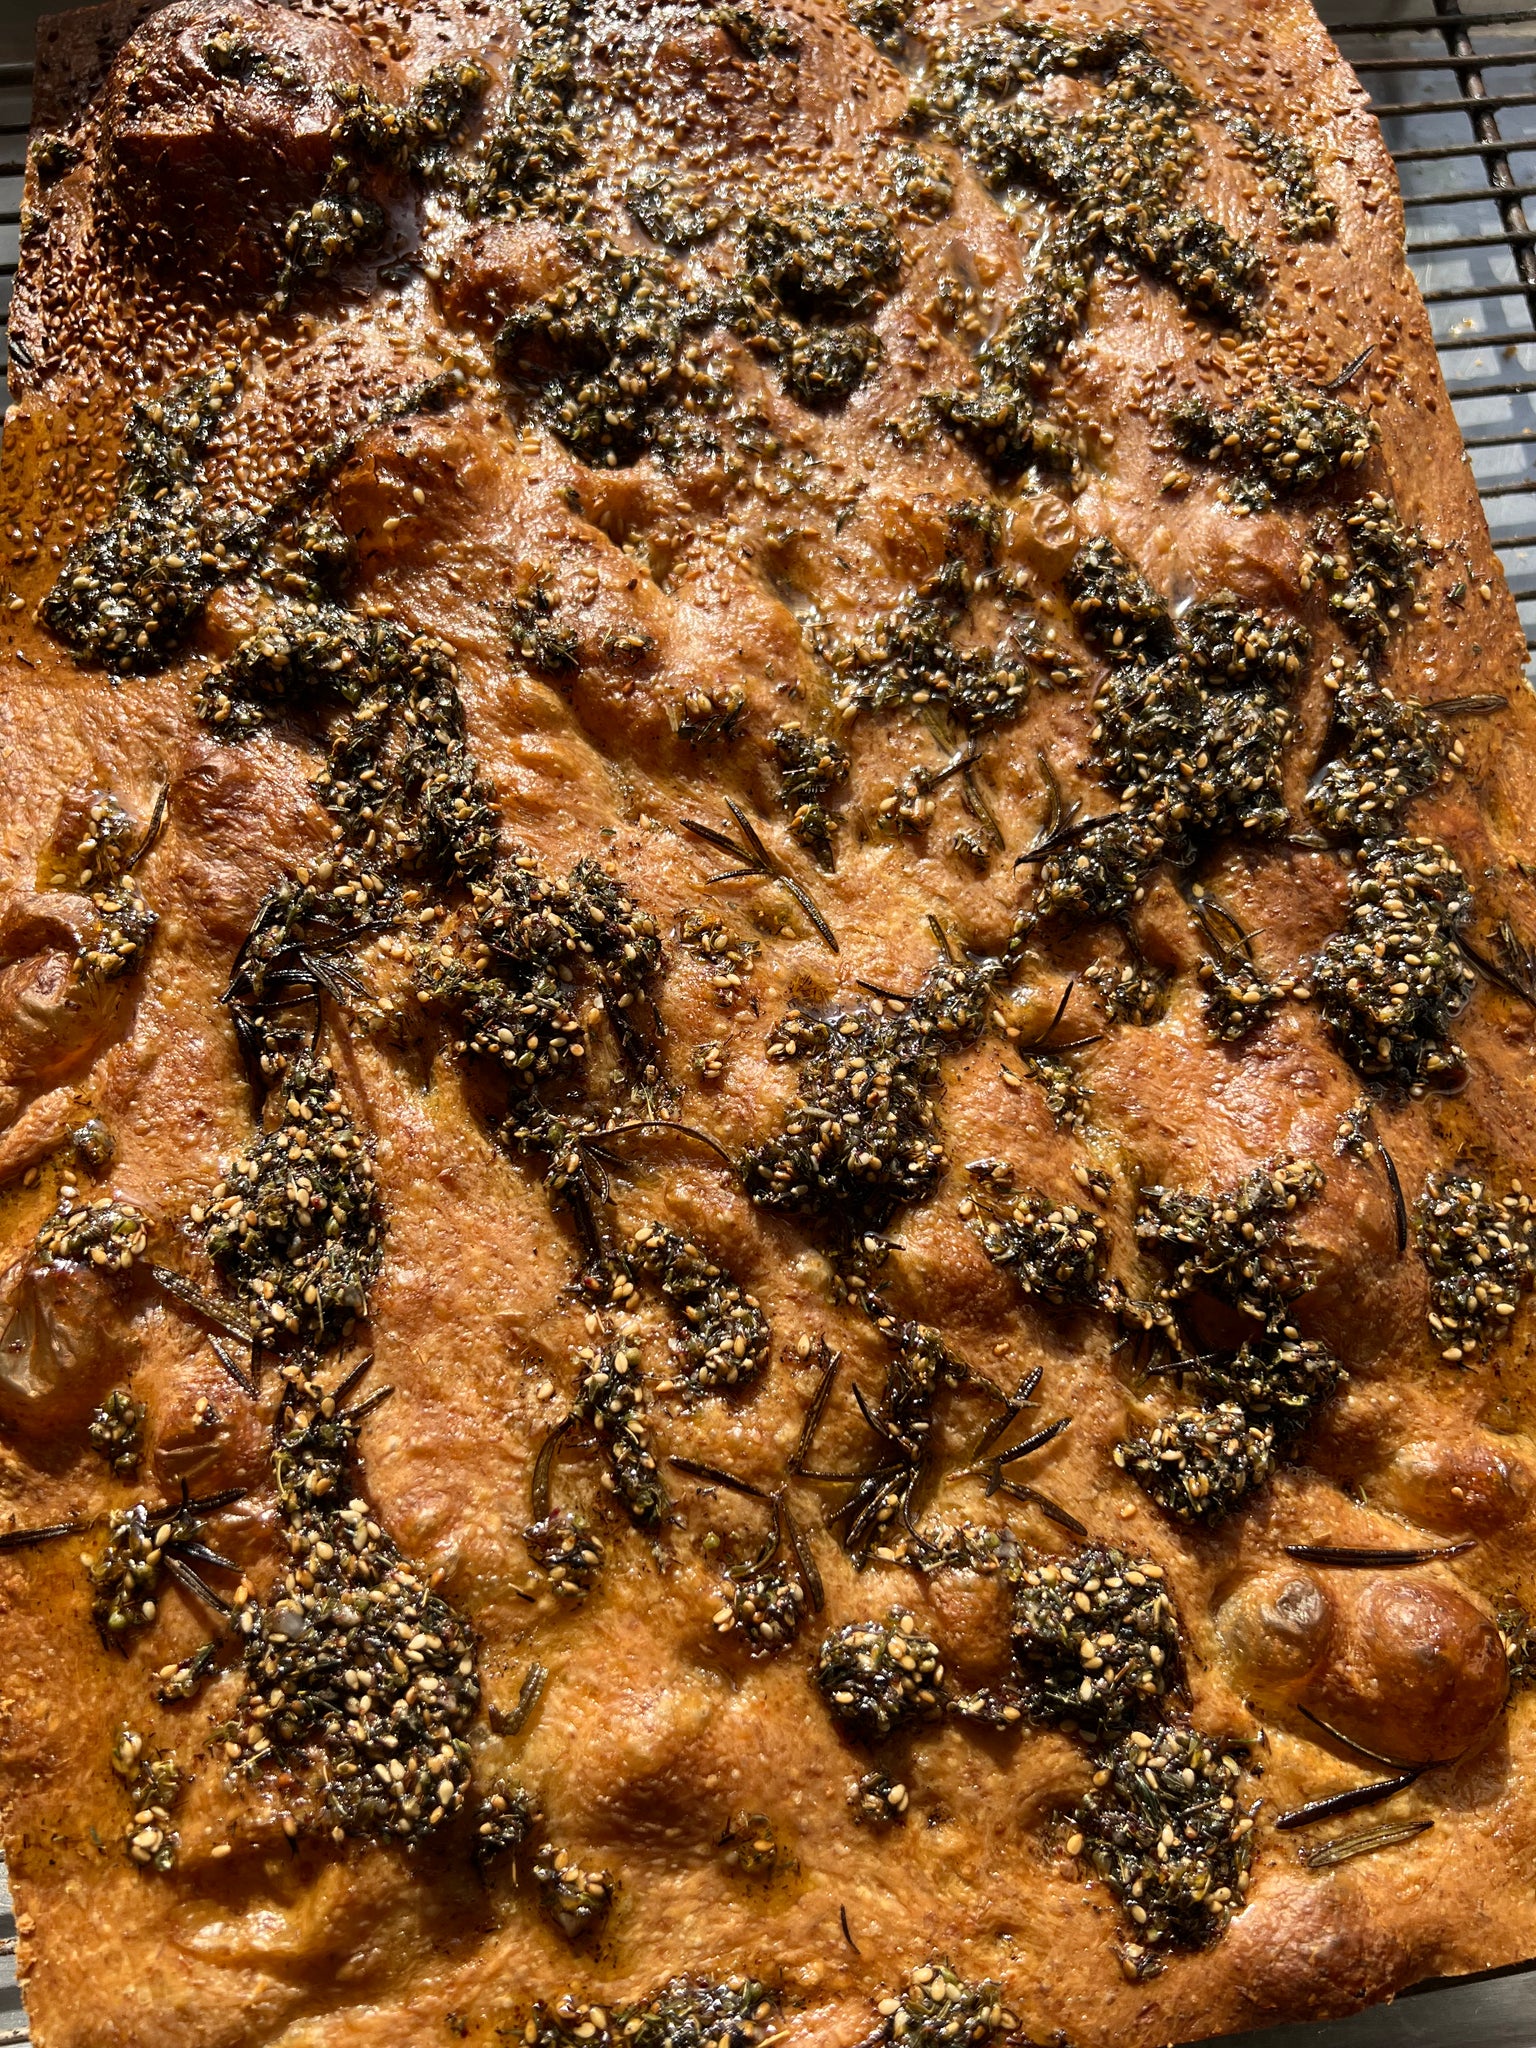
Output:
x=1456 y=95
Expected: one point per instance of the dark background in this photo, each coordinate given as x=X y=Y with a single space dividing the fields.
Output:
x=18 y=19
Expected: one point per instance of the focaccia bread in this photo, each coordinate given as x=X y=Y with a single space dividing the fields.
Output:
x=768 y=970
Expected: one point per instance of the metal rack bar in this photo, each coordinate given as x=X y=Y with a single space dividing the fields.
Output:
x=1443 y=152
x=1450 y=63
x=1385 y=111
x=1417 y=24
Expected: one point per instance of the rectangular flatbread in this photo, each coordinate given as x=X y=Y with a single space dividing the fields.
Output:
x=767 y=962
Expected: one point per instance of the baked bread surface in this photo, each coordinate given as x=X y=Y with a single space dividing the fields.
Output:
x=458 y=463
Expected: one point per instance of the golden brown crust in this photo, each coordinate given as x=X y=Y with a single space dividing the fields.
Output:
x=734 y=563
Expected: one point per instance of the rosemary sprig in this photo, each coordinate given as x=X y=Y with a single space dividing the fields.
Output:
x=1517 y=974
x=246 y=1383
x=1052 y=1510
x=1343 y=1848
x=758 y=864
x=529 y=1695
x=192 y=1298
x=1350 y=1557
x=1062 y=823
x=1399 y=1205
x=1374 y=1794
x=813 y=1414
x=1012 y=1408
x=1451 y=707
x=544 y=1470
x=1351 y=370
x=713 y=1476
x=1391 y=1763
x=782 y=1526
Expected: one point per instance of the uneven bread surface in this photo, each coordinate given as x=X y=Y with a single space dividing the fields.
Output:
x=768 y=963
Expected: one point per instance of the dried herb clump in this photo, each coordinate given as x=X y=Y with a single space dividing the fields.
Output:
x=862 y=1138
x=143 y=1544
x=725 y=1338
x=1128 y=991
x=154 y=1784
x=1480 y=1252
x=536 y=143
x=921 y=183
x=370 y=136
x=1283 y=442
x=130 y=591
x=1201 y=1462
x=1237 y=996
x=670 y=212
x=1368 y=565
x=1161 y=1826
x=611 y=1401
x=941 y=2009
x=564 y=1547
x=1390 y=752
x=117 y=1431
x=809 y=271
x=877 y=1800
x=1391 y=982
x=1233 y=1245
x=1235 y=1248
x=1290 y=177
x=811 y=767
x=1279 y=1382
x=1095 y=1638
x=1056 y=1250
x=607 y=350
x=883 y=21
x=1191 y=737
x=360 y=1681
x=911 y=657
x=104 y=1232
x=1116 y=170
x=766 y=1606
x=295 y=1222
x=577 y=1901
x=687 y=2012
x=504 y=1819
x=877 y=1677
x=100 y=865
x=522 y=975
